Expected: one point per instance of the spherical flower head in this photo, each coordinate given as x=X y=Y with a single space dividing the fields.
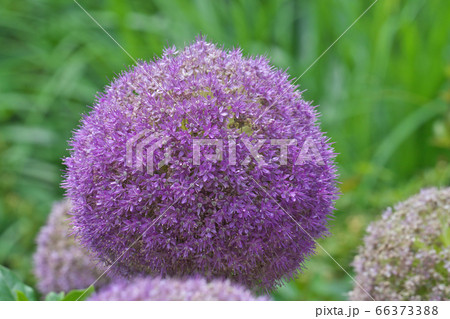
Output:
x=60 y=263
x=221 y=199
x=406 y=254
x=169 y=289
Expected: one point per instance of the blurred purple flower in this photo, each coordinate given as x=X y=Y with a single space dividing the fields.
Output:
x=406 y=253
x=157 y=289
x=212 y=219
x=61 y=264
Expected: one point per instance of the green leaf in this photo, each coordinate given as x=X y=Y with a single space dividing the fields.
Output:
x=54 y=296
x=79 y=295
x=445 y=236
x=12 y=288
x=21 y=296
x=418 y=244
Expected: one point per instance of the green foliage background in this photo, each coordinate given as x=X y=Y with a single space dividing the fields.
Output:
x=383 y=90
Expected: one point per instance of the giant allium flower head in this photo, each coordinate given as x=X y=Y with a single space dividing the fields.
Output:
x=406 y=254
x=60 y=263
x=208 y=206
x=169 y=289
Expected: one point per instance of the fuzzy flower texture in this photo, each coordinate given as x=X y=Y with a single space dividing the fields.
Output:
x=226 y=218
x=61 y=264
x=406 y=254
x=157 y=289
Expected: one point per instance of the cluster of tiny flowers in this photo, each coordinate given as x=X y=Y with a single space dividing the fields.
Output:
x=406 y=254
x=157 y=289
x=61 y=264
x=215 y=219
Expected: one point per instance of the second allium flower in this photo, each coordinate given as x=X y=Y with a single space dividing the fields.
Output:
x=168 y=289
x=406 y=253
x=230 y=218
x=60 y=263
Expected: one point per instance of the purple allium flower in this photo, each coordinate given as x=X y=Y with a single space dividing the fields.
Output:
x=227 y=218
x=61 y=264
x=169 y=289
x=406 y=254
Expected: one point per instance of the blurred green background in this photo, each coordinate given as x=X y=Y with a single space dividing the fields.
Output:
x=383 y=90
